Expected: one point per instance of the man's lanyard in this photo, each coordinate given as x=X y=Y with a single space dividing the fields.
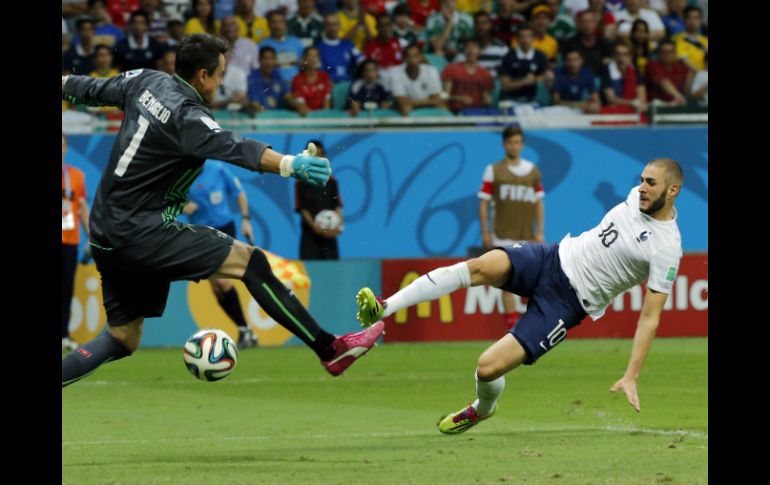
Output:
x=67 y=193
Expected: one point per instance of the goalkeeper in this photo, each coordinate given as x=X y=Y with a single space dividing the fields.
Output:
x=138 y=245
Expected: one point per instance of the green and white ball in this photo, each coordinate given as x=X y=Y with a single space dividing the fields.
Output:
x=210 y=354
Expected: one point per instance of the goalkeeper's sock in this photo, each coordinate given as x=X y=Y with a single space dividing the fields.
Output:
x=85 y=360
x=283 y=307
x=430 y=286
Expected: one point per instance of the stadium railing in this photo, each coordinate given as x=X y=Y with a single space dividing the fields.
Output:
x=79 y=122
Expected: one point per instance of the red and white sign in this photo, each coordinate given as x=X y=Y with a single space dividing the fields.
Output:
x=477 y=313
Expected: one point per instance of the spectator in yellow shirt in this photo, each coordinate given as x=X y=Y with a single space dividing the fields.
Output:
x=203 y=20
x=473 y=6
x=103 y=69
x=542 y=16
x=691 y=45
x=250 y=25
x=355 y=25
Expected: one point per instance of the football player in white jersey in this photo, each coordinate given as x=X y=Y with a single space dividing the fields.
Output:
x=638 y=239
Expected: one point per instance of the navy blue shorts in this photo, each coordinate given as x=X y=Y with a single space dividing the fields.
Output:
x=553 y=306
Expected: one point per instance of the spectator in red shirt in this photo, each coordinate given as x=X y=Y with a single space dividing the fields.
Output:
x=622 y=85
x=506 y=21
x=421 y=10
x=469 y=85
x=374 y=7
x=385 y=49
x=667 y=76
x=120 y=10
x=311 y=89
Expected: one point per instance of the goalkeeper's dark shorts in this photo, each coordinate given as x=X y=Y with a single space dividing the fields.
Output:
x=136 y=277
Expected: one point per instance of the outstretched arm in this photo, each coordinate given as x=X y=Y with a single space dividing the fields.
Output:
x=202 y=137
x=649 y=318
x=97 y=92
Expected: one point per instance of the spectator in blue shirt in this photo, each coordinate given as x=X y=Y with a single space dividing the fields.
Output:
x=267 y=89
x=138 y=50
x=339 y=57
x=674 y=21
x=288 y=48
x=79 y=59
x=327 y=6
x=522 y=68
x=224 y=8
x=368 y=92
x=575 y=84
x=207 y=205
x=104 y=30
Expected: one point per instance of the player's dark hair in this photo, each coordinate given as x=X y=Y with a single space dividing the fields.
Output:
x=402 y=9
x=273 y=13
x=266 y=49
x=522 y=28
x=79 y=23
x=198 y=51
x=99 y=47
x=139 y=13
x=512 y=130
x=362 y=67
x=572 y=50
x=413 y=45
x=479 y=14
x=691 y=8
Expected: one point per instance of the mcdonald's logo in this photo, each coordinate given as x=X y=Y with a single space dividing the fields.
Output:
x=424 y=309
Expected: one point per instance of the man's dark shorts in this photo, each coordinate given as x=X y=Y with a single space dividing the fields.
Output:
x=136 y=278
x=553 y=306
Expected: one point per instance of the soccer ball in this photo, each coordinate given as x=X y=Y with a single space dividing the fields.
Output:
x=327 y=219
x=210 y=354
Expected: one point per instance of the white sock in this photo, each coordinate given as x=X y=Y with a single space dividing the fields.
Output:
x=487 y=394
x=430 y=286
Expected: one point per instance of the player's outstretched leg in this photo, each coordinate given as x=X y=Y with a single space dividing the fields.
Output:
x=492 y=268
x=502 y=356
x=337 y=353
x=120 y=341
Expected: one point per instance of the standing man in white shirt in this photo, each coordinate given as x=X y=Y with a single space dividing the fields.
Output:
x=636 y=240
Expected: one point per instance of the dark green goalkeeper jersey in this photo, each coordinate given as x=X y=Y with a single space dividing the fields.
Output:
x=166 y=136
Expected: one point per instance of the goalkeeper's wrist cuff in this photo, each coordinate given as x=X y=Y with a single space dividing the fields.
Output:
x=285 y=165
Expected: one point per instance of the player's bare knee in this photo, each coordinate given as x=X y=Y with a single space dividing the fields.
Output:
x=487 y=372
x=129 y=335
x=487 y=368
x=243 y=250
x=489 y=269
x=220 y=286
x=475 y=268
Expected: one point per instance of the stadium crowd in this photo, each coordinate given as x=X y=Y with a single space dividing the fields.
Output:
x=438 y=57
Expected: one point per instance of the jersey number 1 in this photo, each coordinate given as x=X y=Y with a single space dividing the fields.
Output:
x=128 y=155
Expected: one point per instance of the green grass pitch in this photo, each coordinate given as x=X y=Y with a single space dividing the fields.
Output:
x=280 y=418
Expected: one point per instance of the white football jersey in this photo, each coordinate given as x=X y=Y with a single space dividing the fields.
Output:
x=624 y=249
